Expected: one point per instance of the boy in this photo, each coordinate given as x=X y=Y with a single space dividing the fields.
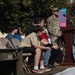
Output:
x=13 y=31
x=32 y=44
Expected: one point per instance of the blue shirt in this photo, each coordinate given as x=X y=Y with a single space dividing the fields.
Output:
x=9 y=37
x=18 y=37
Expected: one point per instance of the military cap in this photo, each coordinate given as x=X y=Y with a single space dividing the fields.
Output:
x=54 y=9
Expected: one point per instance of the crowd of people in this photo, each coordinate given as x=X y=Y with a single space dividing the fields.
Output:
x=42 y=42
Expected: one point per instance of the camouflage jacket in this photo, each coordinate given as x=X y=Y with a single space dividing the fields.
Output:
x=53 y=25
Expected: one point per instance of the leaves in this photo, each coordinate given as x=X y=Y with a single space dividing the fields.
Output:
x=22 y=12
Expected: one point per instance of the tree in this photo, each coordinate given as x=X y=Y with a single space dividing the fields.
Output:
x=22 y=12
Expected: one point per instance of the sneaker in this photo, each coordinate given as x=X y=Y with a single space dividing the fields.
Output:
x=46 y=69
x=38 y=71
x=56 y=64
x=46 y=66
x=51 y=66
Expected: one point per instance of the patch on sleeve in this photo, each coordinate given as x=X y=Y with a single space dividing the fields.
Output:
x=49 y=22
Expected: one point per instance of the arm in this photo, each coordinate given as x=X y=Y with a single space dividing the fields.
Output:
x=45 y=42
x=42 y=47
x=53 y=27
x=36 y=43
x=58 y=32
x=46 y=32
x=50 y=27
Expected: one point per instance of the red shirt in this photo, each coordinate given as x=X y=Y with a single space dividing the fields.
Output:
x=44 y=36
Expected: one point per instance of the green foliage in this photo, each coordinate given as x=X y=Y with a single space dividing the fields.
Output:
x=22 y=12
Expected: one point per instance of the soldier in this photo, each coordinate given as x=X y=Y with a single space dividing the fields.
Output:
x=53 y=26
x=55 y=33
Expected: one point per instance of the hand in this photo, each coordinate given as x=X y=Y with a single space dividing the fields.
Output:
x=55 y=47
x=58 y=35
x=48 y=48
x=44 y=31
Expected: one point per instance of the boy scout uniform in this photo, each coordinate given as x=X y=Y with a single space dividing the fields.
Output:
x=30 y=40
x=53 y=28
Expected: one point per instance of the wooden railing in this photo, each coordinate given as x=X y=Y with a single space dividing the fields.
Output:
x=10 y=64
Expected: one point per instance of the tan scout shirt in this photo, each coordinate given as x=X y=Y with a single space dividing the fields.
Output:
x=30 y=40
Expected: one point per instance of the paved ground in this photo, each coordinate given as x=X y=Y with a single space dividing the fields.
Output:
x=53 y=71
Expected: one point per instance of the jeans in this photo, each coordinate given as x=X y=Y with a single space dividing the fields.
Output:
x=46 y=56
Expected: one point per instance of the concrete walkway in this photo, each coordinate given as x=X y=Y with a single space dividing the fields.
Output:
x=53 y=71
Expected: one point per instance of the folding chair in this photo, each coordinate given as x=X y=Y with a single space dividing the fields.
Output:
x=26 y=67
x=5 y=44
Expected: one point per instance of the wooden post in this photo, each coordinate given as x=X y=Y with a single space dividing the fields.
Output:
x=19 y=65
x=68 y=33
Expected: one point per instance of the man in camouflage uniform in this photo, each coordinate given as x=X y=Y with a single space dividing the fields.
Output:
x=53 y=26
x=55 y=33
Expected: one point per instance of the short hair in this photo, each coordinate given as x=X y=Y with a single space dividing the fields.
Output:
x=37 y=29
x=13 y=27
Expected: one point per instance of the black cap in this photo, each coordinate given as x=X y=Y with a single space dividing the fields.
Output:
x=38 y=20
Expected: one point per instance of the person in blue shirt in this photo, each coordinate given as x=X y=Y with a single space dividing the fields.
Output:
x=13 y=31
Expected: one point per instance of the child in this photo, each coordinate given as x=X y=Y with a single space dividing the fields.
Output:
x=32 y=44
x=13 y=31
